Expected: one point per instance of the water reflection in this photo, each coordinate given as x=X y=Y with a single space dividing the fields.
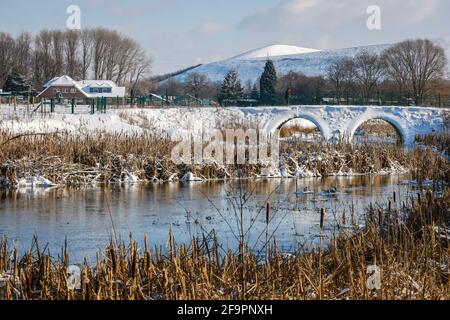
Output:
x=85 y=215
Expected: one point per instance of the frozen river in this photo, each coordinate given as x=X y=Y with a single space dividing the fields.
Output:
x=86 y=216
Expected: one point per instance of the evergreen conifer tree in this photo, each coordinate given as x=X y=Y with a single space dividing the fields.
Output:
x=268 y=84
x=16 y=84
x=255 y=93
x=231 y=89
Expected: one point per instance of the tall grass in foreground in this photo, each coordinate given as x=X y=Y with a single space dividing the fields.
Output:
x=408 y=241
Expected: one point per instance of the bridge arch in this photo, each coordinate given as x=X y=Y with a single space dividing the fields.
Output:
x=399 y=125
x=274 y=126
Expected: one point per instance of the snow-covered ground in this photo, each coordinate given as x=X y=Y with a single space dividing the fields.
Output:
x=173 y=122
x=21 y=122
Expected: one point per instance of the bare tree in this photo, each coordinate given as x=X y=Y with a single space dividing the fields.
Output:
x=117 y=57
x=416 y=65
x=196 y=84
x=395 y=71
x=58 y=52
x=369 y=72
x=6 y=56
x=171 y=87
x=113 y=52
x=71 y=46
x=43 y=61
x=341 y=76
x=86 y=41
x=139 y=68
x=127 y=52
x=100 y=47
x=23 y=54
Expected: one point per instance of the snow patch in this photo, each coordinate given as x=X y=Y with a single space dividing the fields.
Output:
x=274 y=51
x=130 y=178
x=34 y=181
x=190 y=177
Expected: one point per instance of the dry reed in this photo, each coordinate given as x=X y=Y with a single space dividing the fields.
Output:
x=68 y=159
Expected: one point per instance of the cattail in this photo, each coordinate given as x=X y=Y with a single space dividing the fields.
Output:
x=322 y=218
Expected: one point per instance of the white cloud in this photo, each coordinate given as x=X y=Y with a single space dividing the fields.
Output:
x=328 y=22
x=331 y=14
x=299 y=7
x=421 y=10
x=121 y=9
x=208 y=29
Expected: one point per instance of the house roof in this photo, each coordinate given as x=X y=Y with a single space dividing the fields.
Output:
x=97 y=83
x=60 y=81
x=68 y=81
x=84 y=86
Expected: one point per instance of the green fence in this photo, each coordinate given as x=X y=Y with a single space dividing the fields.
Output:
x=381 y=99
x=103 y=104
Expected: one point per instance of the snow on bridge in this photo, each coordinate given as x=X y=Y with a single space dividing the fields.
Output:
x=335 y=122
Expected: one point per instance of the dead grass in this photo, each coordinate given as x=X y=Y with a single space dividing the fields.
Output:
x=295 y=130
x=380 y=128
x=439 y=141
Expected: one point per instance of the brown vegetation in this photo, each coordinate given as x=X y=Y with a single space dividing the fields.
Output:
x=439 y=141
x=289 y=131
x=364 y=159
x=408 y=242
x=69 y=159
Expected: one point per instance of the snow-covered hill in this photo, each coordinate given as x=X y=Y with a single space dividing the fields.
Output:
x=273 y=51
x=310 y=62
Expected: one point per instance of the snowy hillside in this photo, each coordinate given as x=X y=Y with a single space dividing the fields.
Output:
x=310 y=62
x=273 y=51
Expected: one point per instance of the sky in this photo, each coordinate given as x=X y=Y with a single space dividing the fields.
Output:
x=182 y=33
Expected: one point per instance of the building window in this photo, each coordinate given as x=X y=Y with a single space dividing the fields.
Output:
x=100 y=90
x=73 y=90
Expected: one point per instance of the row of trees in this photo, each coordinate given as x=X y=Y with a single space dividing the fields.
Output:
x=86 y=54
x=412 y=69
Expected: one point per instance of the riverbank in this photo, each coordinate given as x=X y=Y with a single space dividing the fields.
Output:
x=400 y=252
x=43 y=160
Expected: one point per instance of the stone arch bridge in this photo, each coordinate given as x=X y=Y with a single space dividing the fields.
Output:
x=341 y=122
